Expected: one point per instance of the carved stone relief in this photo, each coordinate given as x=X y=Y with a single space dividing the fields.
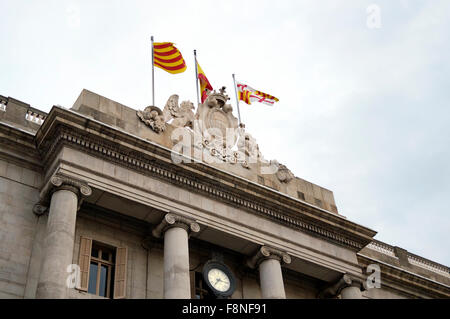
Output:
x=153 y=117
x=214 y=130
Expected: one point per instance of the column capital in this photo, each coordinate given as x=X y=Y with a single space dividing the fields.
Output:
x=345 y=281
x=266 y=252
x=59 y=181
x=173 y=220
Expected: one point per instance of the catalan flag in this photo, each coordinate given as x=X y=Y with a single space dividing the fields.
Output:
x=244 y=96
x=167 y=57
x=249 y=94
x=204 y=83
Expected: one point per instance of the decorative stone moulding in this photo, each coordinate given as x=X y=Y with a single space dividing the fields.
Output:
x=173 y=220
x=345 y=281
x=283 y=174
x=266 y=252
x=182 y=115
x=40 y=209
x=152 y=116
x=60 y=181
x=160 y=170
x=57 y=182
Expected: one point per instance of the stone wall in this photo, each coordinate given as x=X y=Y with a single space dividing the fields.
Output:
x=19 y=192
x=145 y=267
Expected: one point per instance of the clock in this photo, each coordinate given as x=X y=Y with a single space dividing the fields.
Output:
x=219 y=278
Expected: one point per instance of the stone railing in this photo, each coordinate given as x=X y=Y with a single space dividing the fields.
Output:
x=382 y=248
x=429 y=265
x=35 y=116
x=412 y=259
x=3 y=102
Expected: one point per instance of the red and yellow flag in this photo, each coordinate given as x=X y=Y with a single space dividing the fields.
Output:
x=244 y=96
x=167 y=57
x=249 y=95
x=204 y=83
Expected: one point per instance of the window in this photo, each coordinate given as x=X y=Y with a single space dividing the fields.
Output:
x=199 y=288
x=301 y=195
x=102 y=269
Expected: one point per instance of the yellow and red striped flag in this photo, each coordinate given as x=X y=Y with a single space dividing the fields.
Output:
x=249 y=94
x=204 y=83
x=167 y=57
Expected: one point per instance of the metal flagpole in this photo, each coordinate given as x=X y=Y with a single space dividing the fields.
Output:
x=196 y=77
x=153 y=75
x=237 y=100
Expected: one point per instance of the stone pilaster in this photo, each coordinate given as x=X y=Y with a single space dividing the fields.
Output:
x=176 y=229
x=269 y=261
x=59 y=238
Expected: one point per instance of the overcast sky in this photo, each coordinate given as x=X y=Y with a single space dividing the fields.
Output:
x=364 y=87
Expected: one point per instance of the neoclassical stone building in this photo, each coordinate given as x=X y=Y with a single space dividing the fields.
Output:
x=102 y=201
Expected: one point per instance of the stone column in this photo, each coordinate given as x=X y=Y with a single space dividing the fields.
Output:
x=176 y=229
x=349 y=287
x=351 y=292
x=59 y=236
x=269 y=261
x=353 y=287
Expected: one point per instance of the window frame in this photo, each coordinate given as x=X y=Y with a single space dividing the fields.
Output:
x=110 y=264
x=117 y=264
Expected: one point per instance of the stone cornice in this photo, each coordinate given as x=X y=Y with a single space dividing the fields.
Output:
x=18 y=146
x=64 y=127
x=408 y=283
x=266 y=252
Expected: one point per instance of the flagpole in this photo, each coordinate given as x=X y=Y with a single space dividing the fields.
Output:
x=196 y=76
x=237 y=100
x=153 y=75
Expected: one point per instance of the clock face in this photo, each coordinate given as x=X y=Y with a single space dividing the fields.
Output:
x=219 y=280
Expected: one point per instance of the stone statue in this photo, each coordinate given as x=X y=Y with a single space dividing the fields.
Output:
x=182 y=115
x=284 y=174
x=153 y=117
x=248 y=146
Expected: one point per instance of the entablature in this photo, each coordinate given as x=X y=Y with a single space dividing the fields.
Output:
x=65 y=127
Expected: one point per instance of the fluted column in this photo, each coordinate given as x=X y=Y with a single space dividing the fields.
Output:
x=175 y=230
x=59 y=237
x=269 y=261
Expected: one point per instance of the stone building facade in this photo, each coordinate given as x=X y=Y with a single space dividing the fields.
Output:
x=101 y=201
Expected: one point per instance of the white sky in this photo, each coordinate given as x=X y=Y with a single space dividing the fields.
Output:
x=363 y=111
